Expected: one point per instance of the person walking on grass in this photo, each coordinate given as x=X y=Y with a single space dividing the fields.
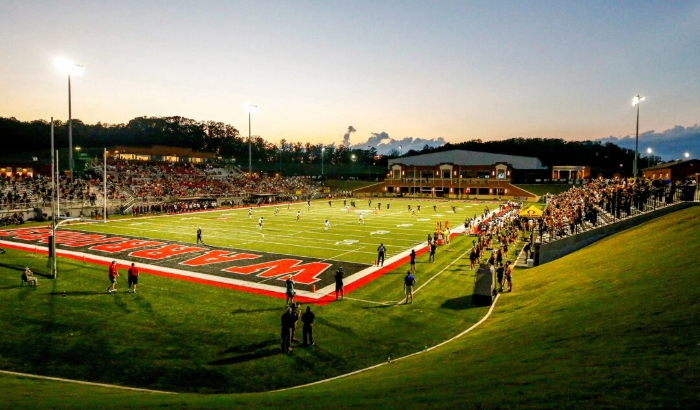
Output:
x=112 y=274
x=199 y=236
x=408 y=283
x=433 y=248
x=308 y=330
x=133 y=277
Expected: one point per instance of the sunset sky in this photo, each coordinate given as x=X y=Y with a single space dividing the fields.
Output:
x=456 y=70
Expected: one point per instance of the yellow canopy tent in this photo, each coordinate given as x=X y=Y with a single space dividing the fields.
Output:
x=532 y=212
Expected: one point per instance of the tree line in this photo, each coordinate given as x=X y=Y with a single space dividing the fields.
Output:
x=226 y=141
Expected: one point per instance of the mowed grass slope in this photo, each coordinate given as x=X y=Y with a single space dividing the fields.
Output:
x=615 y=325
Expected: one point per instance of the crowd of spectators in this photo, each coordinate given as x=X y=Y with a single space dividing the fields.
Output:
x=151 y=182
x=569 y=212
x=20 y=192
x=155 y=181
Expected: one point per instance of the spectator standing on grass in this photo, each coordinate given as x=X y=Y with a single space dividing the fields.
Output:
x=199 y=236
x=381 y=251
x=433 y=248
x=290 y=289
x=133 y=277
x=112 y=274
x=286 y=334
x=413 y=260
x=308 y=330
x=473 y=257
x=295 y=319
x=508 y=272
x=408 y=283
x=499 y=276
x=339 y=275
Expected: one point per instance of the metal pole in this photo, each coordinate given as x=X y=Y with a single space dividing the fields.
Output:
x=322 y=150
x=104 y=186
x=52 y=251
x=636 y=142
x=58 y=187
x=53 y=167
x=70 y=133
x=250 y=148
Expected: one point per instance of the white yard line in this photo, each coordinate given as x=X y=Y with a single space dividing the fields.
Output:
x=439 y=273
x=368 y=301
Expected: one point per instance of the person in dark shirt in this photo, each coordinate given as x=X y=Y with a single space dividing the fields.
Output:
x=339 y=275
x=199 y=236
x=413 y=260
x=308 y=330
x=381 y=250
x=433 y=248
x=408 y=283
x=499 y=276
x=287 y=320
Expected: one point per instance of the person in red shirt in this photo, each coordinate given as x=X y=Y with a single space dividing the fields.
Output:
x=113 y=274
x=133 y=277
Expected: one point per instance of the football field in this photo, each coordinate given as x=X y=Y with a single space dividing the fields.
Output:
x=221 y=333
x=256 y=249
x=347 y=239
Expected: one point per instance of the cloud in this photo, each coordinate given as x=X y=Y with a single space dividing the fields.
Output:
x=670 y=144
x=346 y=137
x=385 y=144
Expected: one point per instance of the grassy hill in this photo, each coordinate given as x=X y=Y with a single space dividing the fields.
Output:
x=614 y=325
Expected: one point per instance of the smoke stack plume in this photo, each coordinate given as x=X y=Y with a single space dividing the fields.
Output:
x=346 y=137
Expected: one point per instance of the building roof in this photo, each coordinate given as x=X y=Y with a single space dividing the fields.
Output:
x=671 y=164
x=164 y=151
x=463 y=157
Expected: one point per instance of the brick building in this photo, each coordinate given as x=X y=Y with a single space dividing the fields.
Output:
x=462 y=174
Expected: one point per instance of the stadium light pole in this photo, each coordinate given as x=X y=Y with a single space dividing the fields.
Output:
x=353 y=158
x=68 y=67
x=686 y=155
x=323 y=149
x=649 y=152
x=251 y=108
x=635 y=102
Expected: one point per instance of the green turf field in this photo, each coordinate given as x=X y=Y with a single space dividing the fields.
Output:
x=346 y=240
x=614 y=325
